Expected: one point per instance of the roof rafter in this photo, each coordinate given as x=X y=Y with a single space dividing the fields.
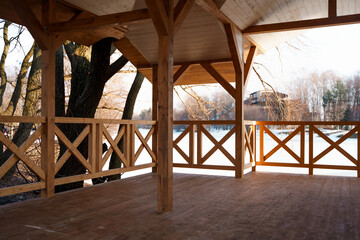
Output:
x=124 y=18
x=304 y=24
x=181 y=10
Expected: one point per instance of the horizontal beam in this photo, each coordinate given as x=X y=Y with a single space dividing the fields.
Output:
x=124 y=18
x=304 y=24
x=220 y=60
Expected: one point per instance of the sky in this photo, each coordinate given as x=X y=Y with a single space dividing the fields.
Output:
x=321 y=49
x=318 y=50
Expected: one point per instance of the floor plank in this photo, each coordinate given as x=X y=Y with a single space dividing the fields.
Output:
x=260 y=206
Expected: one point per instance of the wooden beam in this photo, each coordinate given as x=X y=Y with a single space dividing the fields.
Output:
x=225 y=84
x=210 y=7
x=182 y=9
x=304 y=24
x=162 y=13
x=235 y=51
x=131 y=52
x=249 y=63
x=220 y=60
x=180 y=72
x=332 y=8
x=31 y=22
x=159 y=16
x=124 y=18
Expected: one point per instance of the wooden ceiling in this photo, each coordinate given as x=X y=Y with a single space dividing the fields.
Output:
x=264 y=23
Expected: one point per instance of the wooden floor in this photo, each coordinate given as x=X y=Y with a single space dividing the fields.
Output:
x=260 y=206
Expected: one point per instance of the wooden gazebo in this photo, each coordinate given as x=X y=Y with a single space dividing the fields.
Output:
x=171 y=43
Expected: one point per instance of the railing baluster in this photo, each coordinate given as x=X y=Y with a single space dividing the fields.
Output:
x=302 y=144
x=191 y=143
x=98 y=145
x=254 y=146
x=311 y=149
x=261 y=143
x=92 y=146
x=132 y=145
x=358 y=151
x=199 y=144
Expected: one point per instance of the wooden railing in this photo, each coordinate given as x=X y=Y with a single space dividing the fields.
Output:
x=96 y=132
x=304 y=157
x=311 y=160
x=198 y=154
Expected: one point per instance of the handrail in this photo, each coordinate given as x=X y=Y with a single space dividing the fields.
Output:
x=22 y=119
x=307 y=123
x=101 y=120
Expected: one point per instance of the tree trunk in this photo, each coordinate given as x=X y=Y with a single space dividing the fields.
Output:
x=89 y=75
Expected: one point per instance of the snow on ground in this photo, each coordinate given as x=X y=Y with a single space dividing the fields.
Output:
x=332 y=158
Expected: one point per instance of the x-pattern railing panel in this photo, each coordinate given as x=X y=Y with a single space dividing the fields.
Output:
x=249 y=142
x=178 y=140
x=218 y=145
x=72 y=149
x=19 y=153
x=335 y=145
x=144 y=143
x=114 y=147
x=282 y=144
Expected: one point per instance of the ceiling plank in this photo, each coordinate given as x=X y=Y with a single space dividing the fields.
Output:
x=225 y=84
x=124 y=18
x=304 y=24
x=33 y=25
x=181 y=10
x=159 y=16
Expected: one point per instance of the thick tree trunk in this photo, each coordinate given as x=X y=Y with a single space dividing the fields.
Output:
x=89 y=75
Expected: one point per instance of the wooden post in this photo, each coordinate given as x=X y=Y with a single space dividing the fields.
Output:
x=162 y=14
x=155 y=112
x=48 y=111
x=234 y=38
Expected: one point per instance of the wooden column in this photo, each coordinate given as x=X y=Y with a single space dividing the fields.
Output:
x=48 y=98
x=162 y=14
x=235 y=46
x=48 y=111
x=155 y=111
